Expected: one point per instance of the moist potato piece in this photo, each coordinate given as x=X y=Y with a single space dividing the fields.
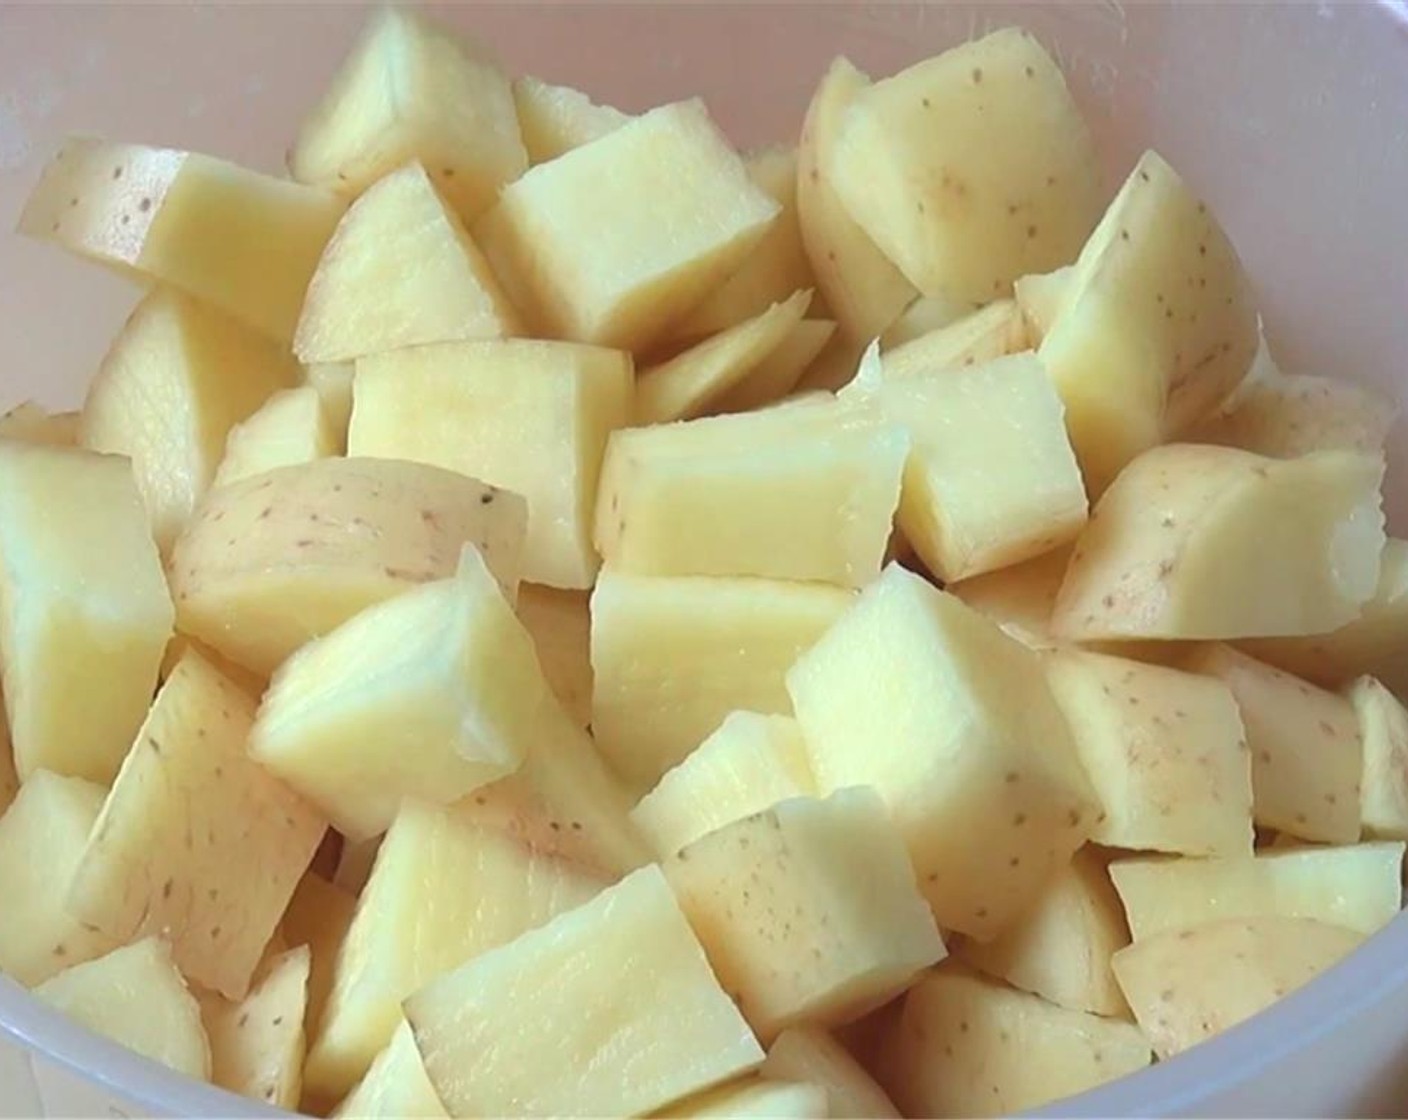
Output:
x=1042 y=297
x=1020 y=598
x=811 y=1055
x=556 y=119
x=754 y=1097
x=290 y=428
x=925 y=315
x=1383 y=734
x=780 y=372
x=256 y=1045
x=333 y=383
x=982 y=336
x=560 y=624
x=395 y=1087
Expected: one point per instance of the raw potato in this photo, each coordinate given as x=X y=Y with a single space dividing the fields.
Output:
x=992 y=332
x=673 y=656
x=1187 y=986
x=616 y=266
x=442 y=892
x=1356 y=887
x=1019 y=599
x=333 y=383
x=802 y=493
x=748 y=765
x=532 y=417
x=808 y=911
x=966 y=1046
x=962 y=215
x=272 y=562
x=291 y=428
x=396 y=1086
x=1042 y=298
x=1157 y=326
x=180 y=645
x=494 y=1046
x=925 y=315
x=810 y=1055
x=1307 y=759
x=953 y=723
x=42 y=835
x=755 y=1097
x=1165 y=751
x=430 y=694
x=245 y=242
x=1059 y=948
x=962 y=517
x=560 y=624
x=1383 y=733
x=410 y=91
x=135 y=996
x=1213 y=542
x=556 y=119
x=195 y=841
x=835 y=367
x=864 y=290
x=84 y=608
x=400 y=270
x=779 y=373
x=319 y=915
x=256 y=1045
x=32 y=423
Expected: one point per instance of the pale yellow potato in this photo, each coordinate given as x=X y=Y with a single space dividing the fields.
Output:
x=574 y=1038
x=925 y=315
x=689 y=384
x=968 y=1046
x=755 y=1097
x=42 y=836
x=1059 y=948
x=1306 y=755
x=272 y=562
x=333 y=382
x=243 y=241
x=780 y=372
x=804 y=493
x=1190 y=985
x=1356 y=886
x=196 y=842
x=531 y=417
x=1165 y=750
x=136 y=996
x=835 y=367
x=981 y=336
x=409 y=90
x=812 y=1056
x=252 y=683
x=1042 y=297
x=1020 y=598
x=556 y=119
x=560 y=624
x=746 y=766
x=291 y=427
x=400 y=270
x=674 y=655
x=1383 y=733
x=84 y=608
x=443 y=891
x=395 y=1087
x=615 y=266
x=257 y=1044
x=1157 y=325
x=33 y=423
x=954 y=724
x=1213 y=542
x=991 y=479
x=318 y=916
x=808 y=911
x=865 y=292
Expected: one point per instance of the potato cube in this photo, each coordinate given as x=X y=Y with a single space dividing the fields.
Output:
x=42 y=835
x=32 y=423
x=1019 y=599
x=84 y=608
x=788 y=493
x=319 y=915
x=966 y=1046
x=1042 y=297
x=195 y=841
x=256 y=1045
x=245 y=242
x=1213 y=542
x=560 y=624
x=291 y=427
x=1383 y=734
x=982 y=336
x=556 y=119
x=812 y=1056
x=1307 y=759
x=1356 y=887
x=208 y=372
x=1189 y=985
x=1165 y=751
x=271 y=562
x=754 y=1097
x=411 y=91
x=673 y=656
x=136 y=996
x=400 y=270
x=808 y=911
x=614 y=267
x=396 y=1086
x=746 y=766
x=779 y=373
x=1157 y=326
x=960 y=215
x=954 y=724
x=494 y=1046
x=532 y=417
x=333 y=383
x=864 y=290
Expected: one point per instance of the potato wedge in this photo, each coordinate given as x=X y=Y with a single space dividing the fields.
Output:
x=1383 y=733
x=992 y=332
x=32 y=423
x=396 y=1086
x=256 y=1045
x=290 y=428
x=754 y=1097
x=812 y=1056
x=556 y=119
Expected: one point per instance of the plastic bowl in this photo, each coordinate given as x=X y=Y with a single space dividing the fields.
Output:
x=1291 y=119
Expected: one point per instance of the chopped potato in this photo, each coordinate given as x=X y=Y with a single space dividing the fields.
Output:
x=779 y=373
x=754 y=1097
x=318 y=916
x=1042 y=297
x=924 y=316
x=1020 y=598
x=396 y=1086
x=291 y=427
x=614 y=267
x=560 y=624
x=256 y=1045
x=494 y=1046
x=812 y=1056
x=532 y=417
x=835 y=367
x=195 y=841
x=556 y=119
x=992 y=332
x=1213 y=542
x=271 y=562
x=411 y=91
x=333 y=383
x=84 y=608
x=32 y=423
x=1383 y=734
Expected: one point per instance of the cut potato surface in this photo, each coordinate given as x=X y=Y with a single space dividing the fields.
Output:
x=1042 y=297
x=318 y=916
x=755 y=1097
x=396 y=1086
x=925 y=315
x=333 y=383
x=812 y=1056
x=993 y=332
x=1020 y=598
x=291 y=427
x=32 y=423
x=560 y=624
x=556 y=119
x=256 y=1045
x=780 y=372
x=1383 y=734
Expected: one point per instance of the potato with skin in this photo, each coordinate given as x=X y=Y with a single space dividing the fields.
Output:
x=560 y=624
x=1383 y=732
x=256 y=1045
x=32 y=423
x=811 y=1055
x=556 y=119
x=409 y=90
x=291 y=427
x=269 y=563
x=754 y=1097
x=993 y=332
x=1212 y=542
x=395 y=1087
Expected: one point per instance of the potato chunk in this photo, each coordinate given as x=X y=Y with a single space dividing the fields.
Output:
x=1383 y=734
x=780 y=372
x=256 y=1045
x=290 y=428
x=812 y=1056
x=396 y=1086
x=754 y=1097
x=983 y=336
x=556 y=119
x=1019 y=599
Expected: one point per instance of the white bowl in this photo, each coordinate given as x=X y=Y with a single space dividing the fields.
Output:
x=1291 y=119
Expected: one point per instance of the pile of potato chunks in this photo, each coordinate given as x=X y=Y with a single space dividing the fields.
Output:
x=636 y=629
